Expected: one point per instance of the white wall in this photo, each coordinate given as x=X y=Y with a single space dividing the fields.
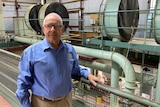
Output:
x=9 y=11
x=89 y=6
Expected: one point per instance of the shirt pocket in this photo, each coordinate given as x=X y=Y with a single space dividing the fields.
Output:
x=70 y=63
x=42 y=69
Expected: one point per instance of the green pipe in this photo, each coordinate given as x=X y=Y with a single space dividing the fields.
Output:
x=147 y=78
x=115 y=71
x=116 y=57
x=96 y=65
x=158 y=84
x=114 y=83
x=124 y=94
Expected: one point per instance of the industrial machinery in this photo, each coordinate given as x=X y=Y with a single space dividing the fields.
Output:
x=125 y=50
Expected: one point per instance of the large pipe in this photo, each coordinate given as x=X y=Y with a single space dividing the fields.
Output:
x=115 y=71
x=116 y=57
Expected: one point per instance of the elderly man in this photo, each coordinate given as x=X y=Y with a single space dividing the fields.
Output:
x=46 y=68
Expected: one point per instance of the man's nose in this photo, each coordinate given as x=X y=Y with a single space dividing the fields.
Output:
x=52 y=28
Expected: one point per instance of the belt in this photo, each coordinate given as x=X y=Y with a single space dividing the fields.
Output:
x=48 y=99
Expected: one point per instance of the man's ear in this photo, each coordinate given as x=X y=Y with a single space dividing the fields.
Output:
x=63 y=29
x=42 y=28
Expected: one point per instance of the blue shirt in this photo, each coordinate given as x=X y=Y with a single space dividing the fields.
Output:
x=46 y=71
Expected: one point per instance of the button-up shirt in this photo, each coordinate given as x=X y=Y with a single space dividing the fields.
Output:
x=47 y=72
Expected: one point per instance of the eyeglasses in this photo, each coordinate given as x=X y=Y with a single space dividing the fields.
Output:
x=56 y=27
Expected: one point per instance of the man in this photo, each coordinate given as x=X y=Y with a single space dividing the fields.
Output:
x=46 y=68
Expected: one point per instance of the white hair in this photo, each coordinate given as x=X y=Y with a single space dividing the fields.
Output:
x=53 y=15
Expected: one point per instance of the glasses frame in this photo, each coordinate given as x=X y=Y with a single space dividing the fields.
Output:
x=56 y=27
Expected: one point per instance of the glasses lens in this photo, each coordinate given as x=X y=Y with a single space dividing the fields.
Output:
x=55 y=26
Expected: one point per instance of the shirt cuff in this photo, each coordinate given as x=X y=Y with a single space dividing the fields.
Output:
x=86 y=73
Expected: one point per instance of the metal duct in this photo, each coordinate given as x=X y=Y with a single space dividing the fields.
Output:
x=31 y=18
x=157 y=22
x=120 y=18
x=35 y=14
x=57 y=8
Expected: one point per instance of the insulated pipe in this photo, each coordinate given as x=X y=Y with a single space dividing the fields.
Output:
x=116 y=57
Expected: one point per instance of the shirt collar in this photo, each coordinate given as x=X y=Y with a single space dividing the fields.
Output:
x=47 y=45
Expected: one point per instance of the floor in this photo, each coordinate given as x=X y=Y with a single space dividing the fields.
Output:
x=4 y=103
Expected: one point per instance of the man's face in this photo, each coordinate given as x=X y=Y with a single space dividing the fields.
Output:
x=53 y=30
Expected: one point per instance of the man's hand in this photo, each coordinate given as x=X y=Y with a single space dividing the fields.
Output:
x=93 y=79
